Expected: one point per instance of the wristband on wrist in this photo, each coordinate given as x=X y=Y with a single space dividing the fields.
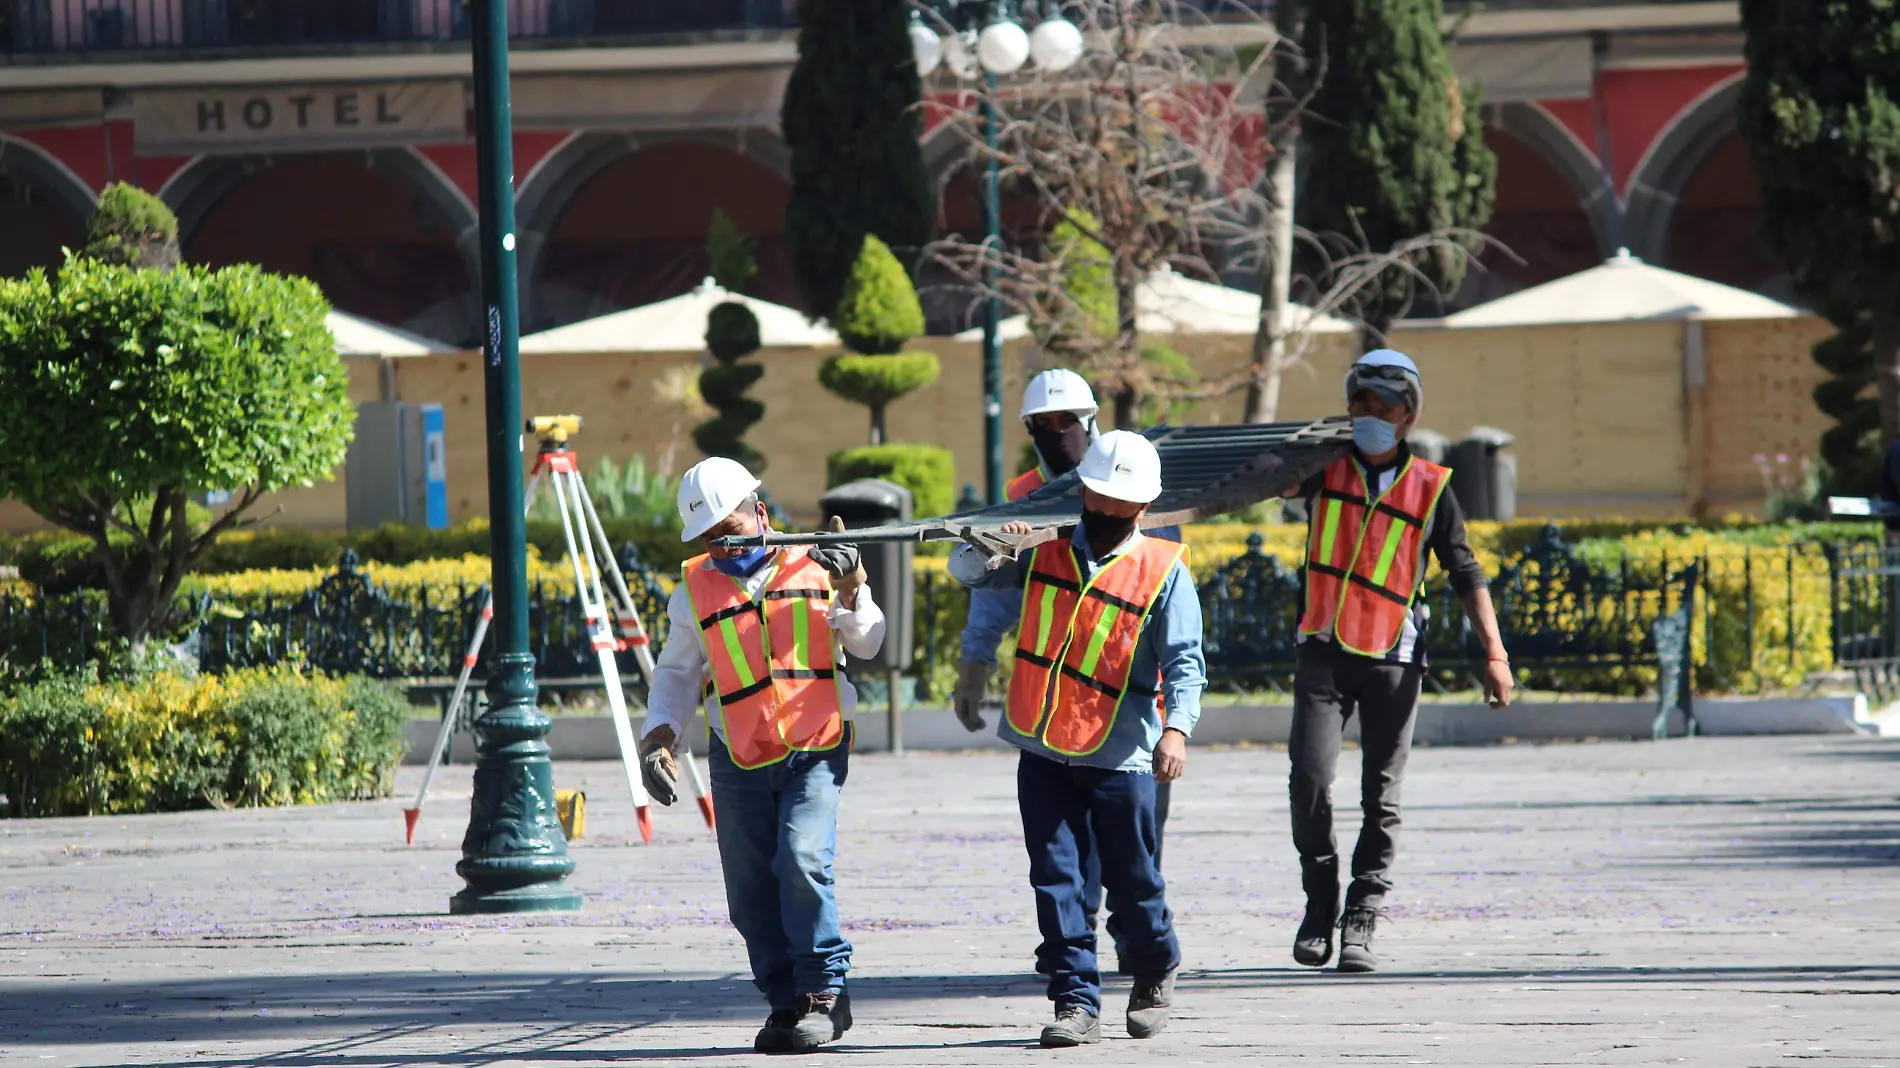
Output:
x=1505 y=660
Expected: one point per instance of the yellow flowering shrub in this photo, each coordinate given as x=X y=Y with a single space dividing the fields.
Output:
x=74 y=745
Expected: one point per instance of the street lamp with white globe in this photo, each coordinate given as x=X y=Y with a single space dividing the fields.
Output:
x=987 y=36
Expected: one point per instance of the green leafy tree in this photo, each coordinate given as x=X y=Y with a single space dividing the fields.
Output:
x=1396 y=148
x=876 y=315
x=852 y=121
x=133 y=228
x=1820 y=113
x=732 y=334
x=125 y=390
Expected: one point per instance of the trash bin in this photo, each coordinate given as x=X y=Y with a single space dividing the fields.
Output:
x=873 y=502
x=1484 y=476
x=1429 y=445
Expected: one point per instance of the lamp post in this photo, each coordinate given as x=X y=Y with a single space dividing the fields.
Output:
x=999 y=47
x=514 y=857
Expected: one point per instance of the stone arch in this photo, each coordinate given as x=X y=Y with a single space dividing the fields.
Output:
x=45 y=172
x=46 y=208
x=430 y=236
x=1556 y=145
x=1671 y=160
x=563 y=178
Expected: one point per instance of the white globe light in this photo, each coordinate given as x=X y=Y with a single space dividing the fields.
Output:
x=927 y=47
x=1056 y=45
x=959 y=54
x=1003 y=48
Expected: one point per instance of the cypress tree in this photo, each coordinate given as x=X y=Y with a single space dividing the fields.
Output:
x=1395 y=142
x=1820 y=113
x=852 y=121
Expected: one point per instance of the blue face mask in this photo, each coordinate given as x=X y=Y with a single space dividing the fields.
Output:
x=745 y=563
x=1374 y=435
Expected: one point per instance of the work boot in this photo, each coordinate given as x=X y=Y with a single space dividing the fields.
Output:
x=1149 y=1005
x=1075 y=1026
x=1313 y=945
x=776 y=1035
x=819 y=1018
x=1355 y=939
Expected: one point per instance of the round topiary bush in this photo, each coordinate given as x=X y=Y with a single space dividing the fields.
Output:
x=929 y=472
x=132 y=228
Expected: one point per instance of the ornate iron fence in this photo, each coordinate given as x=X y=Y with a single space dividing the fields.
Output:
x=1570 y=620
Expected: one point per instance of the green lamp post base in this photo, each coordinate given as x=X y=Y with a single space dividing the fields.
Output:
x=514 y=857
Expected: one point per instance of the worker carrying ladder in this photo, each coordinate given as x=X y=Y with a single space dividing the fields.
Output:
x=587 y=546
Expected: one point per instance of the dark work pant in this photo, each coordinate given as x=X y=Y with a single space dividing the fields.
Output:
x=1092 y=889
x=1328 y=686
x=1071 y=812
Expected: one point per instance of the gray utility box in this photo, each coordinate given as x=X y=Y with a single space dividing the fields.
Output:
x=1484 y=475
x=395 y=469
x=873 y=502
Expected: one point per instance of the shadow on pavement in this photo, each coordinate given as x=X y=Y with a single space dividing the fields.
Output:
x=388 y=1009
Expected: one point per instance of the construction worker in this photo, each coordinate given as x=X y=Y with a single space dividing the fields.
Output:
x=1104 y=613
x=763 y=634
x=1373 y=516
x=1059 y=412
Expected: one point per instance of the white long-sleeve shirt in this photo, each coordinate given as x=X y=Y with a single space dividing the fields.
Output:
x=681 y=671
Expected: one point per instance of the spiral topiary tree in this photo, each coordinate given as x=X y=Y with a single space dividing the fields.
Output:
x=732 y=334
x=876 y=316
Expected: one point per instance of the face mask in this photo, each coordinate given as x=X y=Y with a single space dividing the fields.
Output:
x=1104 y=529
x=745 y=563
x=1061 y=449
x=1374 y=435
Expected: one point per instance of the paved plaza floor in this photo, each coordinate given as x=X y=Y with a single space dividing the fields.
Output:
x=1723 y=902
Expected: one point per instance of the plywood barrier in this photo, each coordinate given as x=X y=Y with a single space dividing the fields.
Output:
x=1603 y=420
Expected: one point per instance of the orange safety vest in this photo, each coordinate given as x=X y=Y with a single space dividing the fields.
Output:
x=1072 y=707
x=1364 y=554
x=1024 y=484
x=770 y=660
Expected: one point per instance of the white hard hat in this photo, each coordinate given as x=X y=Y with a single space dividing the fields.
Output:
x=1122 y=465
x=1389 y=374
x=709 y=491
x=1059 y=390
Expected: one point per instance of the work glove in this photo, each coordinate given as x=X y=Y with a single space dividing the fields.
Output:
x=841 y=562
x=973 y=680
x=659 y=772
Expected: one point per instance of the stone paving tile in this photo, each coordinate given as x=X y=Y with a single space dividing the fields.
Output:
x=1726 y=902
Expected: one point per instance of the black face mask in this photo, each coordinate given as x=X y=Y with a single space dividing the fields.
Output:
x=1061 y=449
x=1107 y=530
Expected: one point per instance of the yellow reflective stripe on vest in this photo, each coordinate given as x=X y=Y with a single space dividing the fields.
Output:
x=736 y=652
x=1045 y=619
x=1329 y=529
x=801 y=636
x=1388 y=552
x=1103 y=627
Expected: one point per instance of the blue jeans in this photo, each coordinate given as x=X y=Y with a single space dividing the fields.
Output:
x=1070 y=813
x=1092 y=878
x=778 y=829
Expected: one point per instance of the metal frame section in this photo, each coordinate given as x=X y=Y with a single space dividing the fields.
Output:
x=1208 y=471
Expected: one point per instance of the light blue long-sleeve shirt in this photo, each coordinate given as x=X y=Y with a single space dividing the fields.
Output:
x=1169 y=648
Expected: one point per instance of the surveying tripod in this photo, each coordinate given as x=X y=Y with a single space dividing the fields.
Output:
x=557 y=462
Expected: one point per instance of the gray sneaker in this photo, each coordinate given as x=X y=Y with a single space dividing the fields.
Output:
x=1355 y=939
x=1149 y=1005
x=1075 y=1026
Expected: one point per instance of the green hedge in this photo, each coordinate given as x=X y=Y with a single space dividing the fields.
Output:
x=62 y=562
x=929 y=472
x=73 y=745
